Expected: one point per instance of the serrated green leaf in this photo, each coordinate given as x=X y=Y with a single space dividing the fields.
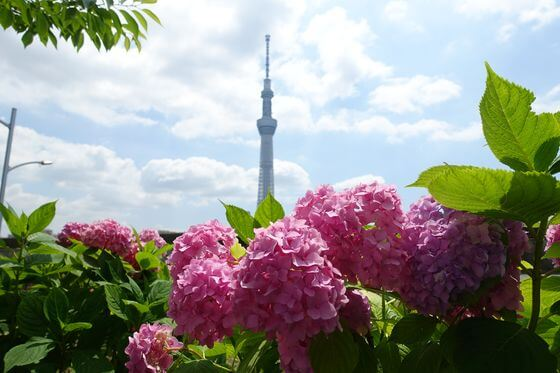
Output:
x=269 y=211
x=524 y=196
x=413 y=328
x=159 y=291
x=389 y=356
x=241 y=221
x=427 y=176
x=335 y=352
x=480 y=345
x=41 y=218
x=113 y=297
x=142 y=308
x=517 y=136
x=30 y=318
x=56 y=306
x=135 y=289
x=196 y=366
x=30 y=352
x=12 y=221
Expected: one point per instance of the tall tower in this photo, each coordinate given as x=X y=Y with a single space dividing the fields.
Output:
x=267 y=127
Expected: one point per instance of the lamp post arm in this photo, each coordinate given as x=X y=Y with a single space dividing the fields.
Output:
x=24 y=164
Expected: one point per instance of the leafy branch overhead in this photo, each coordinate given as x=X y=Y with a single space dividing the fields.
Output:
x=106 y=22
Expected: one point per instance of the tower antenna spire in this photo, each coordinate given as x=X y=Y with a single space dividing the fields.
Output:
x=267 y=64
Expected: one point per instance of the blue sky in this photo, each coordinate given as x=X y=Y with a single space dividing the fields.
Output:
x=364 y=90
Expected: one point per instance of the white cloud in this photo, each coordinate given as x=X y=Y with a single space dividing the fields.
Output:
x=397 y=11
x=537 y=13
x=549 y=102
x=93 y=182
x=363 y=179
x=401 y=95
x=430 y=129
x=505 y=32
x=342 y=59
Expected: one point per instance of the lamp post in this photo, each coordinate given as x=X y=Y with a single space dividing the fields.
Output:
x=7 y=167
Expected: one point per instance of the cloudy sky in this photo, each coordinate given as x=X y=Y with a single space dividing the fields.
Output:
x=364 y=90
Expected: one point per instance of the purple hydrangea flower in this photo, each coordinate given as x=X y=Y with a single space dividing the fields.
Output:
x=453 y=253
x=553 y=236
x=357 y=312
x=71 y=230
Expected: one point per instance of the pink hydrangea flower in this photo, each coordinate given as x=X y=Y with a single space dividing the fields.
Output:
x=285 y=287
x=148 y=235
x=71 y=230
x=110 y=235
x=362 y=227
x=201 y=241
x=553 y=236
x=453 y=253
x=148 y=349
x=357 y=312
x=201 y=300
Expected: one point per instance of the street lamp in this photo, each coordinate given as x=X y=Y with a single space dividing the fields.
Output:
x=7 y=167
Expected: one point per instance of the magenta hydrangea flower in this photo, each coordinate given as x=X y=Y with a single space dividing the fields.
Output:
x=201 y=300
x=110 y=235
x=452 y=253
x=148 y=349
x=148 y=235
x=285 y=287
x=71 y=230
x=201 y=241
x=553 y=236
x=362 y=228
x=357 y=312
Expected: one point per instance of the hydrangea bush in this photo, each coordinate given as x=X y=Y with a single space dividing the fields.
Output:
x=464 y=280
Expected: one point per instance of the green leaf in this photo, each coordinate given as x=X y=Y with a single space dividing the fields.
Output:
x=27 y=38
x=113 y=297
x=432 y=173
x=141 y=19
x=413 y=328
x=41 y=237
x=524 y=196
x=335 y=352
x=152 y=15
x=196 y=366
x=30 y=318
x=389 y=356
x=90 y=362
x=488 y=346
x=425 y=359
x=42 y=28
x=367 y=361
x=241 y=221
x=269 y=211
x=60 y=249
x=517 y=136
x=131 y=24
x=238 y=251
x=553 y=251
x=142 y=308
x=76 y=326
x=159 y=291
x=147 y=261
x=30 y=352
x=41 y=218
x=135 y=289
x=12 y=221
x=550 y=293
x=56 y=306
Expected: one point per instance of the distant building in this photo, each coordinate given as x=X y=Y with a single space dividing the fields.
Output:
x=267 y=127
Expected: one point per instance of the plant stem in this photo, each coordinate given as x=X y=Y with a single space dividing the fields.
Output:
x=536 y=278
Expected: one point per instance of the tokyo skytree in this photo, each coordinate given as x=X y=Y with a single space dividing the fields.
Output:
x=267 y=126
